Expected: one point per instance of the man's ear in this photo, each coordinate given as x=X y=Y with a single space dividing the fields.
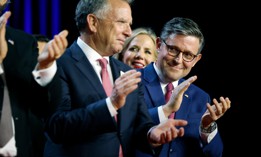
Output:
x=92 y=22
x=197 y=59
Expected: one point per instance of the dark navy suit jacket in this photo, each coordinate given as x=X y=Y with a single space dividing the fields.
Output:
x=29 y=101
x=82 y=125
x=192 y=108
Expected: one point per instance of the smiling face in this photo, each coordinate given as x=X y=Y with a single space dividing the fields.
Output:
x=174 y=68
x=111 y=31
x=140 y=52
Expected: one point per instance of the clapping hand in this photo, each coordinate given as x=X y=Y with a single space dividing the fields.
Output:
x=166 y=131
x=176 y=98
x=53 y=50
x=3 y=43
x=215 y=111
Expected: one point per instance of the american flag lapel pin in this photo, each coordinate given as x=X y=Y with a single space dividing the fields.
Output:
x=11 y=41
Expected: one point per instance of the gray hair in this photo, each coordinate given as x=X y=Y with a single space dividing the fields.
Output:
x=183 y=26
x=98 y=7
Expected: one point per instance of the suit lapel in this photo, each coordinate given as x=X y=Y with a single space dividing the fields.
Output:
x=115 y=68
x=152 y=85
x=183 y=111
x=85 y=67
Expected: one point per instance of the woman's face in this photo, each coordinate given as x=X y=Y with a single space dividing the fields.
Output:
x=140 y=52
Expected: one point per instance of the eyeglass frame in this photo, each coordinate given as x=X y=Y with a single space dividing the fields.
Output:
x=170 y=49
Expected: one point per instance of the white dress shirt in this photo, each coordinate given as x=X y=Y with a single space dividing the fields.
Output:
x=206 y=137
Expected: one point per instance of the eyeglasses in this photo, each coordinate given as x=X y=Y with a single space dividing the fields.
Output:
x=172 y=51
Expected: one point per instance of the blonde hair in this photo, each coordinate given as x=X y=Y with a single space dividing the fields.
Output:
x=141 y=30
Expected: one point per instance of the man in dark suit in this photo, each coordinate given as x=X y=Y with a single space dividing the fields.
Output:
x=89 y=122
x=179 y=49
x=29 y=92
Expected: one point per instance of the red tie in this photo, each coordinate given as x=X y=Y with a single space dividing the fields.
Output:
x=169 y=89
x=105 y=77
x=107 y=85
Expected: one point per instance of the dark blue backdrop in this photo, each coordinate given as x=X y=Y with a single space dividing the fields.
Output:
x=36 y=16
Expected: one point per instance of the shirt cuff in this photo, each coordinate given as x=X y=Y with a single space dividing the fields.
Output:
x=44 y=76
x=208 y=136
x=9 y=149
x=1 y=69
x=112 y=110
x=161 y=114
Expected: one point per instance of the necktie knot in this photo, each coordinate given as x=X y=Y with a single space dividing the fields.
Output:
x=169 y=87
x=103 y=63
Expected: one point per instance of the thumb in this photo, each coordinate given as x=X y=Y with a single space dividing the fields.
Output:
x=64 y=33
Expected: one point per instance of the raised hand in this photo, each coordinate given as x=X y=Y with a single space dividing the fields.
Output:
x=123 y=86
x=3 y=43
x=215 y=111
x=53 y=50
x=166 y=131
x=175 y=101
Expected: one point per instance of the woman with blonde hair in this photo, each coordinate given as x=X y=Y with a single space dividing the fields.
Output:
x=140 y=48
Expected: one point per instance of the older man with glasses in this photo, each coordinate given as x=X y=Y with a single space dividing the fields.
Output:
x=179 y=49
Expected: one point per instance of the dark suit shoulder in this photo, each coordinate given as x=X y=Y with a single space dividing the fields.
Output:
x=19 y=35
x=195 y=89
x=119 y=63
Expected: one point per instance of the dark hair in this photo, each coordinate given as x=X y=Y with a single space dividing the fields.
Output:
x=183 y=26
x=41 y=37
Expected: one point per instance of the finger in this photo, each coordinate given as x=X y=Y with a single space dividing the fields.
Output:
x=4 y=18
x=188 y=81
x=128 y=74
x=224 y=104
x=64 y=39
x=184 y=85
x=228 y=102
x=212 y=111
x=130 y=78
x=169 y=135
x=57 y=46
x=174 y=133
x=218 y=107
x=50 y=50
x=192 y=79
x=179 y=122
x=162 y=138
x=181 y=132
x=127 y=83
x=64 y=33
